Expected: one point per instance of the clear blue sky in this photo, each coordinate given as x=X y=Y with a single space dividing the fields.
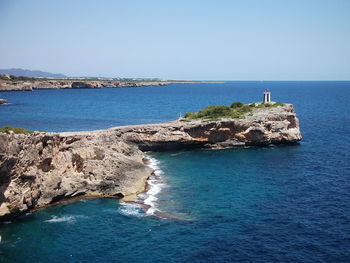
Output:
x=210 y=40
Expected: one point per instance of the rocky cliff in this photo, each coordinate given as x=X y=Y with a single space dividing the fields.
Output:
x=43 y=168
x=28 y=85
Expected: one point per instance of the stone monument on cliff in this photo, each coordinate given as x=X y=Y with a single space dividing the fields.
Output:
x=267 y=96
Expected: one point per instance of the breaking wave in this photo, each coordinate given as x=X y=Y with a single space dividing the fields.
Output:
x=147 y=202
x=155 y=185
x=129 y=209
x=57 y=219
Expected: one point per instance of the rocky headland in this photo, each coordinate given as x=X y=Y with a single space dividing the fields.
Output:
x=40 y=169
x=70 y=84
x=13 y=83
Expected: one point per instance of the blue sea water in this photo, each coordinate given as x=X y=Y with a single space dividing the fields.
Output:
x=273 y=204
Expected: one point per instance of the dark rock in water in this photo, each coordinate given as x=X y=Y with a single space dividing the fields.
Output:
x=40 y=169
x=3 y=101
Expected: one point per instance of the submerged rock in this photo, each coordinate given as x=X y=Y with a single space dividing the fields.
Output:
x=3 y=101
x=43 y=168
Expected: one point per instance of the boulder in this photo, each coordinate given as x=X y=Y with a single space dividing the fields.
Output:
x=3 y=101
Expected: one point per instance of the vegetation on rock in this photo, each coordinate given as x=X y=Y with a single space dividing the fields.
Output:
x=237 y=104
x=238 y=110
x=8 y=129
x=14 y=78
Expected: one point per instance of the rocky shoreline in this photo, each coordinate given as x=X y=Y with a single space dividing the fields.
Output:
x=41 y=169
x=36 y=84
x=70 y=84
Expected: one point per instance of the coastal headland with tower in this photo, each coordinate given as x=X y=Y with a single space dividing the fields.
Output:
x=45 y=168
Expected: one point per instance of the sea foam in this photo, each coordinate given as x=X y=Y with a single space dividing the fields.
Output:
x=155 y=185
x=148 y=200
x=128 y=209
x=57 y=219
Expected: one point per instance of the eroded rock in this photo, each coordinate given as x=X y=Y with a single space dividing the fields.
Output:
x=43 y=168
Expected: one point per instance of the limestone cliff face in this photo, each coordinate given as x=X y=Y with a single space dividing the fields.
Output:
x=40 y=169
x=43 y=168
x=262 y=127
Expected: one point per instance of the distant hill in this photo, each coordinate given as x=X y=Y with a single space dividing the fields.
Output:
x=31 y=73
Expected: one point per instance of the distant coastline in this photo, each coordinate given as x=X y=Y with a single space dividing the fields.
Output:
x=21 y=83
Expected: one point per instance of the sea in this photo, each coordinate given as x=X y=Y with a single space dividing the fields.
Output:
x=269 y=204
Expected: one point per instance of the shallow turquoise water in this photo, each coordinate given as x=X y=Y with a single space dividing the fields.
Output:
x=274 y=204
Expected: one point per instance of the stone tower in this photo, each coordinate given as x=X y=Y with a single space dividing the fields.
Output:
x=267 y=96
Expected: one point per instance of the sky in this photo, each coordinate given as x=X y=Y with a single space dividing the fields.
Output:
x=179 y=39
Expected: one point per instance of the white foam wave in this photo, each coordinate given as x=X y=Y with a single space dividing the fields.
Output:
x=128 y=209
x=57 y=219
x=155 y=185
x=147 y=202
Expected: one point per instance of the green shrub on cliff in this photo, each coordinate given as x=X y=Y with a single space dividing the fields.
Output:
x=269 y=105
x=190 y=115
x=240 y=113
x=219 y=111
x=237 y=110
x=7 y=129
x=214 y=111
x=236 y=105
x=245 y=108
